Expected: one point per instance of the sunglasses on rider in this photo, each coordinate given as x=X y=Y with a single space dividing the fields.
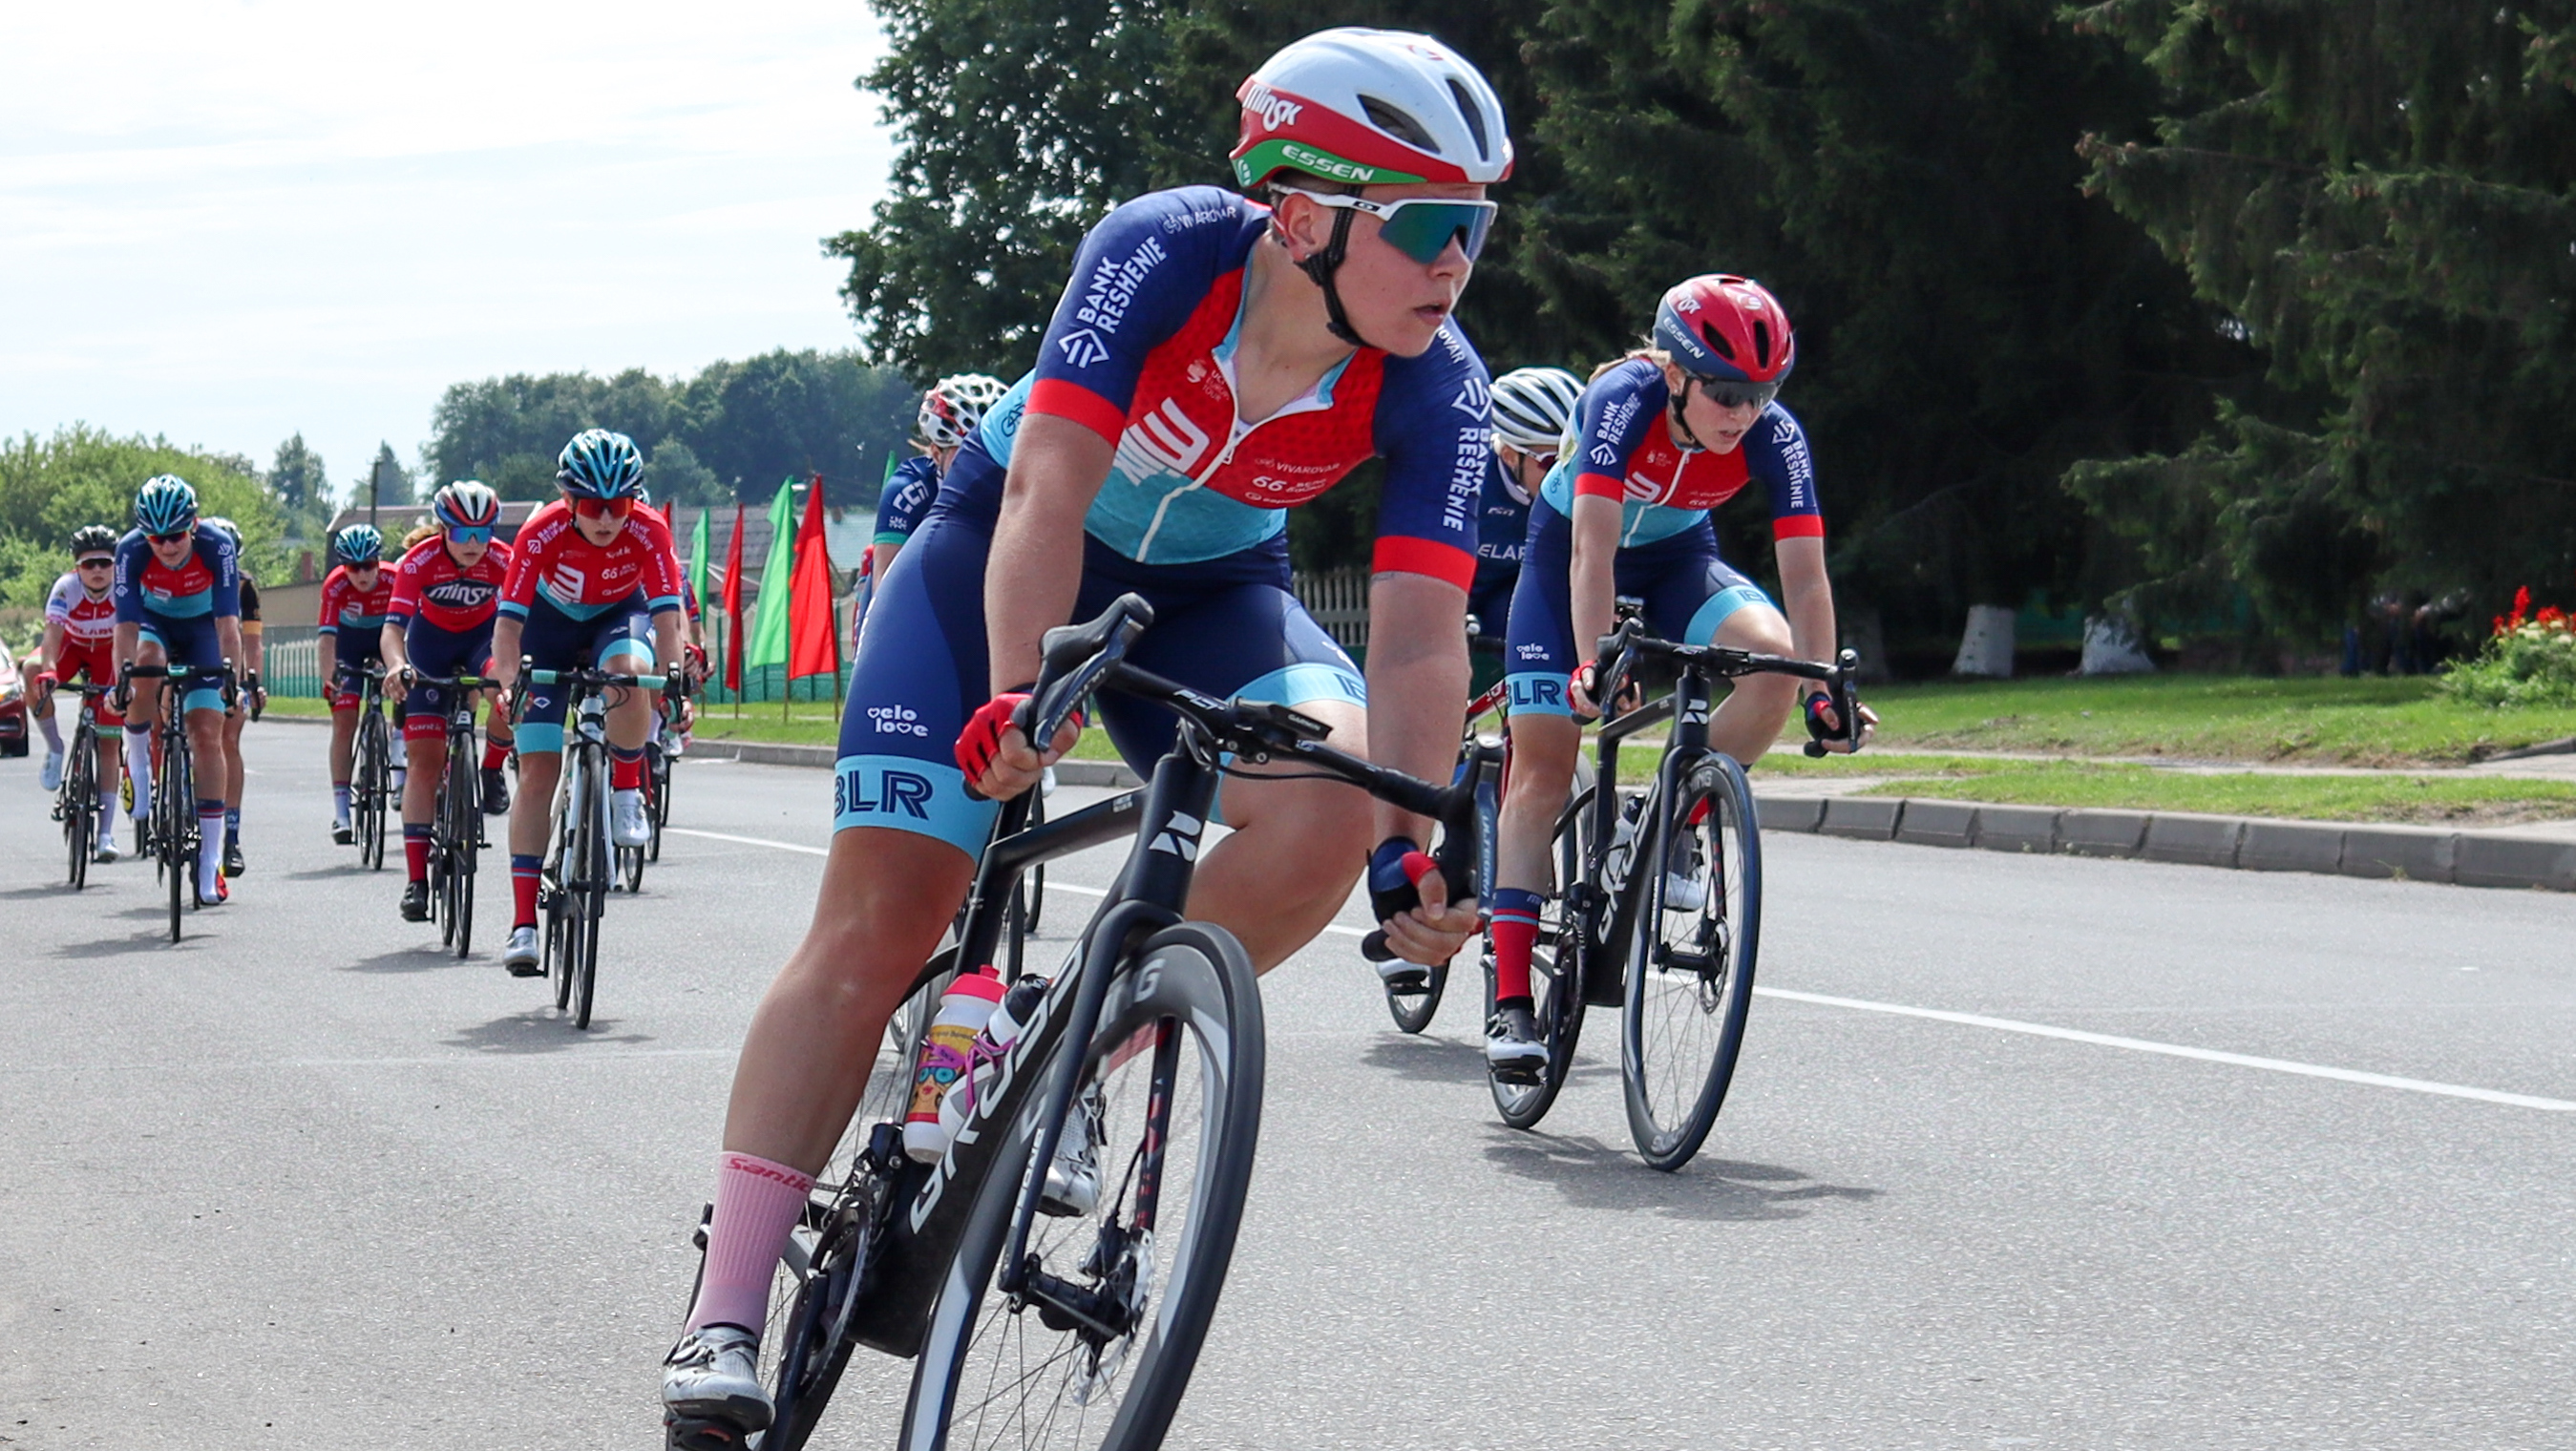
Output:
x=188 y=533
x=1727 y=393
x=97 y=561
x=469 y=534
x=1421 y=227
x=589 y=508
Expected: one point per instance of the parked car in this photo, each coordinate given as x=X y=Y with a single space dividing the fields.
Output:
x=13 y=707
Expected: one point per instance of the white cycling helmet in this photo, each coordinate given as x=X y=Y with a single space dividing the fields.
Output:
x=1534 y=408
x=1370 y=107
x=955 y=406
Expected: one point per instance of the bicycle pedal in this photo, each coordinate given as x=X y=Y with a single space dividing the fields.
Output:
x=692 y=1433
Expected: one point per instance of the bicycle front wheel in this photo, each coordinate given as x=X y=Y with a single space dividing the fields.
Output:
x=1690 y=961
x=588 y=888
x=80 y=805
x=175 y=811
x=374 y=771
x=1098 y=1349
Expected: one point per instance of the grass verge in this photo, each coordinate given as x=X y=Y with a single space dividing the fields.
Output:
x=2393 y=797
x=2364 y=722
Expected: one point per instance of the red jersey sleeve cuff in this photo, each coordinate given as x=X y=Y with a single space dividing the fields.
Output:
x=1799 y=526
x=1599 y=486
x=1058 y=398
x=1399 y=554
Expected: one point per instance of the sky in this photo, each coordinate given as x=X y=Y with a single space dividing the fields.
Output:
x=228 y=221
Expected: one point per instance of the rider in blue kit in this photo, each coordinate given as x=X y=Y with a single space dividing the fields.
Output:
x=1532 y=409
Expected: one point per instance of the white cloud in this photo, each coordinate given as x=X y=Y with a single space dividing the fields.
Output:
x=229 y=220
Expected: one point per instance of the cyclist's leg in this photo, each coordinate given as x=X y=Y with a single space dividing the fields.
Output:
x=342 y=697
x=905 y=836
x=1710 y=602
x=1539 y=654
x=432 y=651
x=234 y=720
x=1296 y=846
x=144 y=710
x=625 y=647
x=202 y=715
x=550 y=640
x=110 y=726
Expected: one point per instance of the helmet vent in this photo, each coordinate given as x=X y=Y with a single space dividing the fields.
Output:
x=1475 y=123
x=1762 y=344
x=1718 y=341
x=1399 y=125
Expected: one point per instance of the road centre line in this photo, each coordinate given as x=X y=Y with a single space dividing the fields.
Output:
x=1979 y=1020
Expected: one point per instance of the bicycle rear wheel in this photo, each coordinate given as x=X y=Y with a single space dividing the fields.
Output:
x=807 y=1344
x=1556 y=975
x=1690 y=964
x=657 y=796
x=1099 y=1350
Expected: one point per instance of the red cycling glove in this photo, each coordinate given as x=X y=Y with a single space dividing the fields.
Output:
x=981 y=740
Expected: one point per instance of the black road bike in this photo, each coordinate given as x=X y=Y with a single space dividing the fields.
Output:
x=371 y=783
x=456 y=835
x=1030 y=1326
x=76 y=803
x=1661 y=909
x=661 y=753
x=574 y=884
x=176 y=835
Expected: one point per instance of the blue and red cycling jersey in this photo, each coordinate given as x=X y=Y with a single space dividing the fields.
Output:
x=908 y=491
x=430 y=586
x=582 y=580
x=356 y=616
x=1625 y=450
x=206 y=584
x=1141 y=351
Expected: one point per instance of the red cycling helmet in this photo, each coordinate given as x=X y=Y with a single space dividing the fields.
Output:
x=1728 y=328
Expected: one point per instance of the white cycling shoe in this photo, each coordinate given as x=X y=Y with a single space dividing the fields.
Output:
x=521 y=956
x=105 y=848
x=52 y=779
x=713 y=1376
x=1685 y=876
x=627 y=825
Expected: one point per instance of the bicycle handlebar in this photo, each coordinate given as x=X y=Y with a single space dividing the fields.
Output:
x=1082 y=658
x=594 y=678
x=1623 y=648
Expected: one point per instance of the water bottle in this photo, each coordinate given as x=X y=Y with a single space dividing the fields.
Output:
x=999 y=1032
x=1623 y=843
x=963 y=1011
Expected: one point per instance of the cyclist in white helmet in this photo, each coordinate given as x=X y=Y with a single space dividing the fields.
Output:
x=1532 y=408
x=950 y=413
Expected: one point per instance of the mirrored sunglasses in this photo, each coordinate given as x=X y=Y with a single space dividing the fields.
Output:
x=1727 y=393
x=188 y=533
x=469 y=533
x=590 y=508
x=98 y=561
x=1422 y=227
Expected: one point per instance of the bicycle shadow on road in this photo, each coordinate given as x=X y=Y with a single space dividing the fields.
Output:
x=408 y=959
x=156 y=940
x=1594 y=1175
x=539 y=1030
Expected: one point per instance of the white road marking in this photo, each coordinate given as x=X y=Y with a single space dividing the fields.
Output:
x=2177 y=1050
x=1972 y=1020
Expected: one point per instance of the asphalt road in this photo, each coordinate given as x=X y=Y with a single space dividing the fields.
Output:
x=303 y=1180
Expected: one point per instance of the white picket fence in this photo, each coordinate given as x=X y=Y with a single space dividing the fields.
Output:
x=1338 y=599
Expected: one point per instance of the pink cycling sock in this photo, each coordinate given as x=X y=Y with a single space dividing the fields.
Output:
x=757 y=1202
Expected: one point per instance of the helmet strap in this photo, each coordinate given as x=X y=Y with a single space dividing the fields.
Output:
x=1673 y=413
x=1322 y=265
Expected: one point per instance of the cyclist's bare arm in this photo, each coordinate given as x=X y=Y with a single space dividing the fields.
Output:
x=1057 y=468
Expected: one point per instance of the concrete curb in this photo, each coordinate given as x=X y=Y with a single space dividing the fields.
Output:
x=2411 y=853
x=2263 y=844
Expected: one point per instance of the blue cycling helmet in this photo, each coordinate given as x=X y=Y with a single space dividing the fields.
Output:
x=359 y=544
x=165 y=505
x=466 y=504
x=598 y=464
